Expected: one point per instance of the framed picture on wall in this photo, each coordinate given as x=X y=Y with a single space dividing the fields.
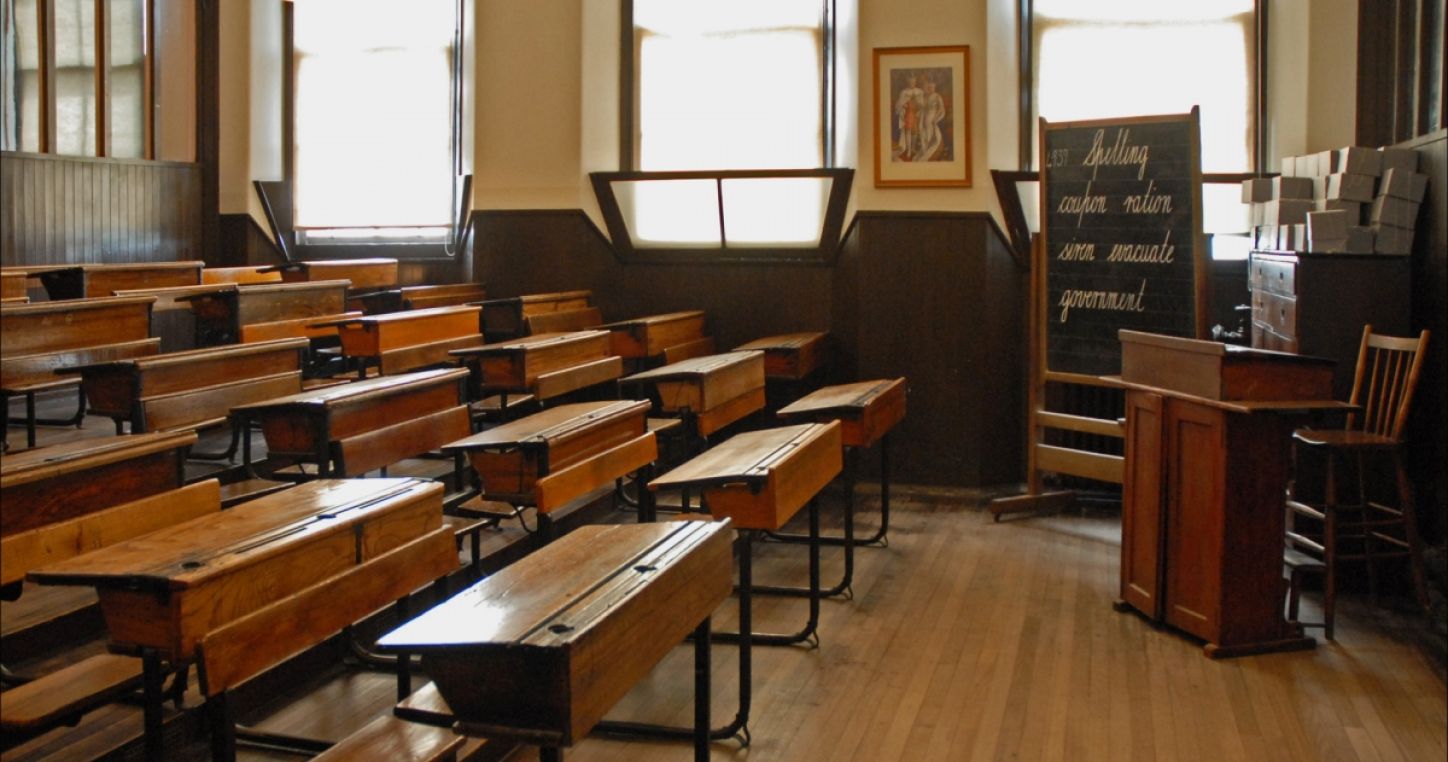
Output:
x=922 y=117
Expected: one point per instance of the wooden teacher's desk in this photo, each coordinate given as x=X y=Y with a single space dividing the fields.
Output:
x=1208 y=430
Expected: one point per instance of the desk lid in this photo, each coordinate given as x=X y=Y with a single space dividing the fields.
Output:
x=44 y=462
x=528 y=343
x=189 y=553
x=744 y=458
x=553 y=424
x=845 y=399
x=351 y=392
x=694 y=367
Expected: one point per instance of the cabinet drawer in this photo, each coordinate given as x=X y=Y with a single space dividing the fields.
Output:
x=1274 y=276
x=1263 y=337
x=1276 y=312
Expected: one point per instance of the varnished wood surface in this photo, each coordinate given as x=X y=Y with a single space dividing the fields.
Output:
x=55 y=326
x=507 y=316
x=45 y=485
x=791 y=355
x=516 y=365
x=650 y=335
x=107 y=279
x=343 y=394
x=868 y=409
x=251 y=274
x=1217 y=371
x=545 y=647
x=704 y=383
x=968 y=640
x=761 y=478
x=377 y=272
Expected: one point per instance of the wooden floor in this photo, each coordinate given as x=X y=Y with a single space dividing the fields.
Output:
x=968 y=639
x=973 y=640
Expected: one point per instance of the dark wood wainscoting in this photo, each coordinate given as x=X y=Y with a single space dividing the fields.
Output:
x=932 y=296
x=243 y=242
x=1428 y=430
x=59 y=209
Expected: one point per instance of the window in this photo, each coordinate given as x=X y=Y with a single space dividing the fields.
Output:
x=727 y=129
x=1105 y=58
x=75 y=77
x=374 y=131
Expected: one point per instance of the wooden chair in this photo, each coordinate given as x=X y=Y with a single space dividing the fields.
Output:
x=1387 y=374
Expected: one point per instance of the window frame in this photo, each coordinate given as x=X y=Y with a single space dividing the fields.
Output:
x=275 y=195
x=1027 y=87
x=45 y=17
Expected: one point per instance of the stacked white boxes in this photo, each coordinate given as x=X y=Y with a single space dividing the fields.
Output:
x=1352 y=200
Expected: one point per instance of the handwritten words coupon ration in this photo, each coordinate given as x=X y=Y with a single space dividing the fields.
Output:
x=1120 y=205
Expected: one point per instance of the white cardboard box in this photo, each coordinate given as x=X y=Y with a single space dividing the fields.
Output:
x=1256 y=189
x=1287 y=211
x=1350 y=187
x=1360 y=239
x=1359 y=161
x=1397 y=212
x=1291 y=187
x=1327 y=225
x=1403 y=184
x=1388 y=239
x=1404 y=159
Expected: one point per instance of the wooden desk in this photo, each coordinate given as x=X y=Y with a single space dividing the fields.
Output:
x=93 y=281
x=194 y=389
x=1202 y=503
x=49 y=484
x=266 y=311
x=711 y=392
x=401 y=341
x=649 y=336
x=239 y=275
x=545 y=365
x=563 y=321
x=790 y=356
x=541 y=650
x=550 y=458
x=36 y=339
x=505 y=318
x=13 y=285
x=172 y=319
x=312 y=427
x=365 y=274
x=867 y=411
x=161 y=593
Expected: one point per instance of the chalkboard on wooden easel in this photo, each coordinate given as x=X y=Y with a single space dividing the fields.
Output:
x=1121 y=239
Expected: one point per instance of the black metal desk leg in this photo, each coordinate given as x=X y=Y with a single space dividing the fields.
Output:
x=30 y=419
x=701 y=691
x=746 y=589
x=152 y=697
x=550 y=754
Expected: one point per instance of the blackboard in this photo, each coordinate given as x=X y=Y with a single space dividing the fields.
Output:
x=1121 y=238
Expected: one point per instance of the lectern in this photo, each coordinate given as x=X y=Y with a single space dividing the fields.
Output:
x=1208 y=430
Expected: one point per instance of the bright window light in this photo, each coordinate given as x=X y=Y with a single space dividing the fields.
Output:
x=373 y=113
x=774 y=211
x=1103 y=58
x=680 y=213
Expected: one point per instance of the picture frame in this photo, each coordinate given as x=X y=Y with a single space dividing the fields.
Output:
x=922 y=117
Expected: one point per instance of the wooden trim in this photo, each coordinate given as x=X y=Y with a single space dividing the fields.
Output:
x=627 y=97
x=45 y=13
x=208 y=119
x=102 y=79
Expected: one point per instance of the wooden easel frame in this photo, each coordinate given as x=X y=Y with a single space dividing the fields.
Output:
x=1042 y=457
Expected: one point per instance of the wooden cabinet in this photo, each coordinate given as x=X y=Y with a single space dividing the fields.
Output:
x=1317 y=304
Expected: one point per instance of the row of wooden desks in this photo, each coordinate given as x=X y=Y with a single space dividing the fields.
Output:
x=163 y=593
x=83 y=281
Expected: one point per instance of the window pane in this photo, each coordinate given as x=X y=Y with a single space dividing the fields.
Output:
x=373 y=113
x=681 y=213
x=1093 y=60
x=786 y=211
x=729 y=86
x=75 y=77
x=19 y=77
x=127 y=120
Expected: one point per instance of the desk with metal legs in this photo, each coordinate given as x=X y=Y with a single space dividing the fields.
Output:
x=758 y=480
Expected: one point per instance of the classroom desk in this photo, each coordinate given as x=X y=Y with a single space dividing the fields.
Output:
x=644 y=337
x=307 y=427
x=550 y=458
x=91 y=281
x=544 y=365
x=365 y=274
x=505 y=318
x=867 y=411
x=708 y=392
x=161 y=593
x=790 y=356
x=757 y=480
x=172 y=319
x=48 y=484
x=262 y=311
x=541 y=650
x=401 y=341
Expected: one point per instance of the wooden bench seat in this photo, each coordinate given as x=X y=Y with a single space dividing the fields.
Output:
x=396 y=740
x=61 y=697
